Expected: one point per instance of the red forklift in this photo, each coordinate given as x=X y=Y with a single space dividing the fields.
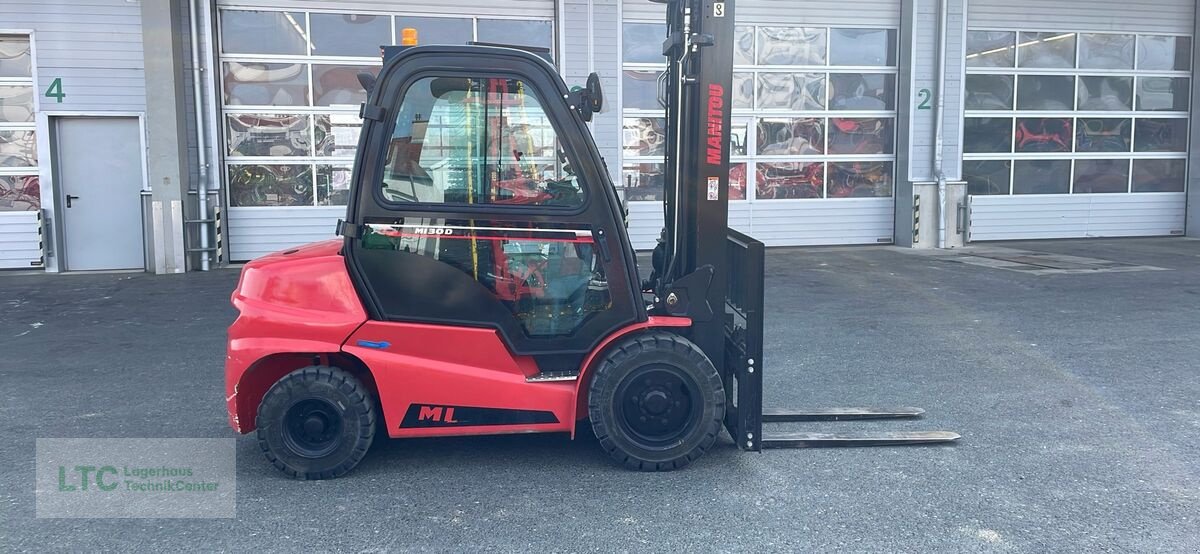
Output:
x=484 y=281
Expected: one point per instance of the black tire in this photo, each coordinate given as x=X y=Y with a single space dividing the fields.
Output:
x=656 y=402
x=316 y=423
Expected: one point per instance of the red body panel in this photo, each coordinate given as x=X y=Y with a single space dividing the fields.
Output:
x=298 y=302
x=438 y=365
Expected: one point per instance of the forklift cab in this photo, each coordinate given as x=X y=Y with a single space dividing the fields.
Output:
x=481 y=200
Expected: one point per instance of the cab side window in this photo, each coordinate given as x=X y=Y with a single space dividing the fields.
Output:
x=551 y=280
x=485 y=141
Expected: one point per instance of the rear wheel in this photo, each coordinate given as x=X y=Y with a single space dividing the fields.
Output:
x=316 y=423
x=656 y=402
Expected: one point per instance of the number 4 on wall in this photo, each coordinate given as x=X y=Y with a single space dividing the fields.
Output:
x=55 y=90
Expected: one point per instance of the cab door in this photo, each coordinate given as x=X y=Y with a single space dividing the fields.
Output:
x=480 y=201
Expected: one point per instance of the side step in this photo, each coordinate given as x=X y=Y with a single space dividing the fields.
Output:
x=552 y=376
x=838 y=414
x=821 y=440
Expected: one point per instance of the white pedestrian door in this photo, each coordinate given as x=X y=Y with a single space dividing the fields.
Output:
x=99 y=164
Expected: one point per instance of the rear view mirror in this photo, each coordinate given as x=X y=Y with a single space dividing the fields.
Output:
x=595 y=96
x=589 y=99
x=367 y=80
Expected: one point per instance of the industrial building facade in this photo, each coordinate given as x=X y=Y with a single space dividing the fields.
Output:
x=181 y=135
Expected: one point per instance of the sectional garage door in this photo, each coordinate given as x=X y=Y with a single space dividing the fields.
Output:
x=1076 y=121
x=290 y=99
x=814 y=120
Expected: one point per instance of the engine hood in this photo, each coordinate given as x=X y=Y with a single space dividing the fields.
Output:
x=312 y=278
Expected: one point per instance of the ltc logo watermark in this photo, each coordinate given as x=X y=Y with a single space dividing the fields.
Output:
x=84 y=473
x=130 y=478
x=85 y=478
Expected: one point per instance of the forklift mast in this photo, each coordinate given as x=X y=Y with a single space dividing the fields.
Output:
x=714 y=274
x=702 y=268
x=691 y=274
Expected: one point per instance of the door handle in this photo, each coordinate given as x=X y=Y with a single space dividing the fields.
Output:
x=70 y=198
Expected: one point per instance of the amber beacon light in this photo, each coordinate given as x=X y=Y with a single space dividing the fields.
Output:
x=408 y=37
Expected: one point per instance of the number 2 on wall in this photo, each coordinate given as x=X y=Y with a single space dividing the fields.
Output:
x=55 y=90
x=924 y=95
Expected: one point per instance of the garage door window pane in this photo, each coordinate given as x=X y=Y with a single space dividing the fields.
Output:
x=791 y=46
x=737 y=181
x=860 y=136
x=260 y=32
x=1158 y=175
x=791 y=91
x=515 y=31
x=738 y=135
x=16 y=104
x=791 y=136
x=743 y=45
x=15 y=60
x=337 y=34
x=266 y=84
x=272 y=135
x=860 y=179
x=1049 y=134
x=1158 y=53
x=1045 y=92
x=1046 y=50
x=789 y=180
x=270 y=185
x=642 y=42
x=333 y=185
x=1105 y=51
x=642 y=181
x=337 y=134
x=437 y=30
x=337 y=85
x=1093 y=134
x=1105 y=93
x=1169 y=94
x=640 y=90
x=862 y=47
x=986 y=177
x=18 y=149
x=644 y=136
x=743 y=91
x=20 y=193
x=1162 y=135
x=991 y=49
x=1041 y=176
x=987 y=134
x=990 y=92
x=858 y=91
x=1101 y=176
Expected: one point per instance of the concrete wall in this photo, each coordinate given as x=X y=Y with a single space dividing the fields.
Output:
x=94 y=46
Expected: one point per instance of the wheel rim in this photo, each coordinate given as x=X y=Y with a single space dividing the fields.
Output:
x=312 y=428
x=658 y=405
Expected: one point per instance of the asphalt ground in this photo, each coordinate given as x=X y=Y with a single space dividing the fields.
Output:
x=1076 y=396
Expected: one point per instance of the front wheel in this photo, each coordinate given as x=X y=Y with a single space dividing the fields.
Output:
x=656 y=402
x=316 y=423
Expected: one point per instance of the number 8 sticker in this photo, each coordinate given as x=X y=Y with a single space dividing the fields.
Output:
x=718 y=9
